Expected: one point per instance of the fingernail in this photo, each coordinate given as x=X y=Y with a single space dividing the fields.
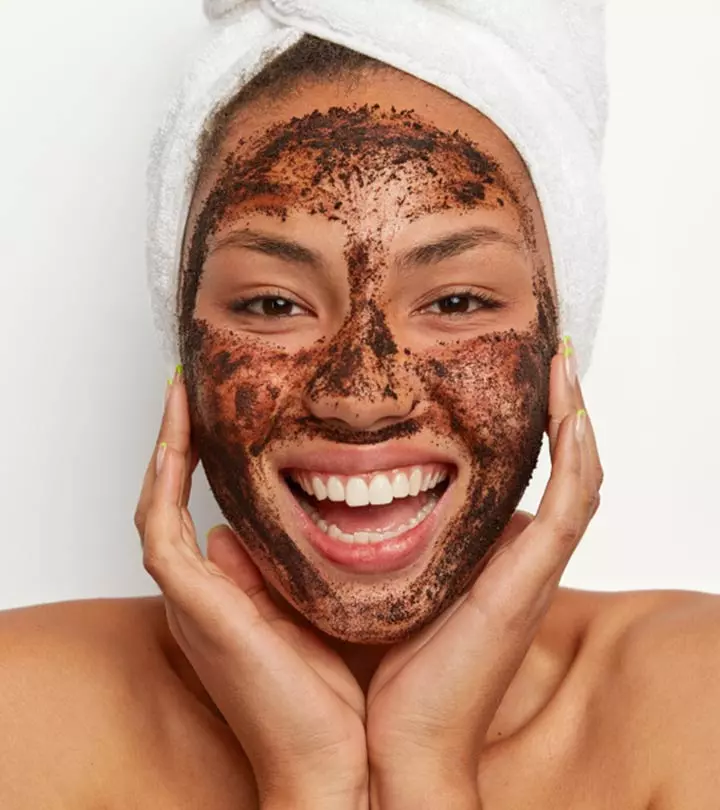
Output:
x=570 y=359
x=159 y=458
x=580 y=424
x=211 y=530
x=178 y=372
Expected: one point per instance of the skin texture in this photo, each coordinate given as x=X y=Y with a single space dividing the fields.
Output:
x=367 y=355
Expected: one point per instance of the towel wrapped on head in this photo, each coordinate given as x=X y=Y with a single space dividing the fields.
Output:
x=536 y=69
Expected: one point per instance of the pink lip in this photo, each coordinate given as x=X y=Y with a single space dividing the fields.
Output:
x=356 y=460
x=373 y=558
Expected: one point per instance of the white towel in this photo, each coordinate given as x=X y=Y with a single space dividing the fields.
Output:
x=534 y=67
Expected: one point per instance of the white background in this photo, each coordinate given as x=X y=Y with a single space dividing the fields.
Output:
x=82 y=85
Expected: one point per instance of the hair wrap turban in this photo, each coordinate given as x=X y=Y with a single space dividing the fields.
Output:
x=536 y=68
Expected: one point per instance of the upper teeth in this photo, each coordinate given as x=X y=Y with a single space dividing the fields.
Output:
x=375 y=488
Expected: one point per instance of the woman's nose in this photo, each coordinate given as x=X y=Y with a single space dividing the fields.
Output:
x=359 y=391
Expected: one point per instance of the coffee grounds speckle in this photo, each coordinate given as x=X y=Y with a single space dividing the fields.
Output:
x=484 y=396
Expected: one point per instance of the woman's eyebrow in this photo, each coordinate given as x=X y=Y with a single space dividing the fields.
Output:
x=278 y=246
x=453 y=244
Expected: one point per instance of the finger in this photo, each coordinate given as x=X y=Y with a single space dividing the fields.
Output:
x=150 y=474
x=191 y=460
x=563 y=395
x=225 y=551
x=593 y=470
x=170 y=553
x=174 y=430
x=567 y=396
x=544 y=548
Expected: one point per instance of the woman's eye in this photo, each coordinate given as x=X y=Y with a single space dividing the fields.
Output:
x=461 y=304
x=268 y=306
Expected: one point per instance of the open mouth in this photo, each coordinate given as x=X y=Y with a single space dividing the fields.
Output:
x=369 y=508
x=376 y=516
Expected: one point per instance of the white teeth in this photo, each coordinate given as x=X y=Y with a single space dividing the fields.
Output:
x=356 y=492
x=380 y=490
x=335 y=489
x=367 y=536
x=400 y=486
x=318 y=488
x=415 y=480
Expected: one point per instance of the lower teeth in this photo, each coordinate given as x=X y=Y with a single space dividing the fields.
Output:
x=368 y=536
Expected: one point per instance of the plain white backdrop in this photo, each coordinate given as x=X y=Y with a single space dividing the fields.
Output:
x=82 y=86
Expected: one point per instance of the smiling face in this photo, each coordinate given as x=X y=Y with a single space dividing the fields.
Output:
x=367 y=324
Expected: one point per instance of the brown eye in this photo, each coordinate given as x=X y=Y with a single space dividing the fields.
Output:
x=276 y=306
x=454 y=304
x=462 y=303
x=268 y=306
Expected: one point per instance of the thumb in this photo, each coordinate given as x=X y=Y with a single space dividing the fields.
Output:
x=517 y=524
x=225 y=552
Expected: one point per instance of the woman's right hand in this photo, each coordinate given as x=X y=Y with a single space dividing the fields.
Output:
x=292 y=703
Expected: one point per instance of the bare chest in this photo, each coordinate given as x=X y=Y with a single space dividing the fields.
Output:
x=209 y=771
x=570 y=760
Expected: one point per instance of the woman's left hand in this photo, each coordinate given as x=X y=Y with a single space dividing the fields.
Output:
x=433 y=698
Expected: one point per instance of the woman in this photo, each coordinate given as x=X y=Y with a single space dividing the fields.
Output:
x=368 y=316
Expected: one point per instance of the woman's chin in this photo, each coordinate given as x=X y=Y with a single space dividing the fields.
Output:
x=370 y=623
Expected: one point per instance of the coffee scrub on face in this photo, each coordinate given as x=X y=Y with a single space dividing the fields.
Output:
x=347 y=360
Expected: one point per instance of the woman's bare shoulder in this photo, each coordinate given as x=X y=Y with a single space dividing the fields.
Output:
x=55 y=644
x=93 y=713
x=67 y=699
x=658 y=681
x=81 y=702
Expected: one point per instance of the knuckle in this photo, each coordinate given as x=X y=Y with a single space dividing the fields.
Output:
x=156 y=560
x=599 y=474
x=587 y=504
x=139 y=520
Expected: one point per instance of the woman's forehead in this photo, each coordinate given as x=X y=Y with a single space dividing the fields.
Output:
x=382 y=140
x=389 y=91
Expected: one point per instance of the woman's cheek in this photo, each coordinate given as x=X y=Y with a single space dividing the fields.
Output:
x=486 y=384
x=234 y=387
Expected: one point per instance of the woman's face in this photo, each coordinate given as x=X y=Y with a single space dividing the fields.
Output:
x=367 y=323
